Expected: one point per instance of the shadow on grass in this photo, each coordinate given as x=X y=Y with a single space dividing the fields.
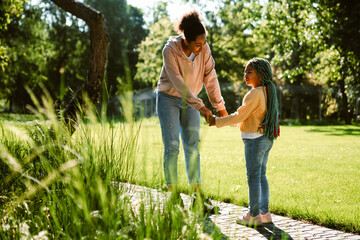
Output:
x=13 y=117
x=352 y=131
x=270 y=231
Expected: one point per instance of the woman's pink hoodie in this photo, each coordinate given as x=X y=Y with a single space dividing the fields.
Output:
x=181 y=77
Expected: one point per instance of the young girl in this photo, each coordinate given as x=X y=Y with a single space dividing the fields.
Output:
x=257 y=119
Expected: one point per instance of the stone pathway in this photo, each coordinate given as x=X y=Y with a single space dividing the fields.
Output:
x=224 y=223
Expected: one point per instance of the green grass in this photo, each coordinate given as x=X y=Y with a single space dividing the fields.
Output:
x=313 y=171
x=61 y=186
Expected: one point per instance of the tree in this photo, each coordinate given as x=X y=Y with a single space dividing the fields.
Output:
x=99 y=52
x=338 y=25
x=287 y=27
x=41 y=42
x=300 y=32
x=70 y=38
x=126 y=30
x=150 y=53
x=159 y=11
x=8 y=9
x=232 y=40
x=28 y=52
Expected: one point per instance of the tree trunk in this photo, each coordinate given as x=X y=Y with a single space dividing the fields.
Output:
x=10 y=104
x=344 y=100
x=99 y=53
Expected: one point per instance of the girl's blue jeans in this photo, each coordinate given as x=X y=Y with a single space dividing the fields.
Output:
x=176 y=117
x=256 y=157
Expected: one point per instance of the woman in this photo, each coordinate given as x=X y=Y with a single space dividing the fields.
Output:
x=187 y=67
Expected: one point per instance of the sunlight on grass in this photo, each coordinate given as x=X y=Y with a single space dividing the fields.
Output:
x=312 y=171
x=57 y=185
x=51 y=178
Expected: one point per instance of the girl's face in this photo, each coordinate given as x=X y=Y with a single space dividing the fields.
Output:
x=250 y=77
x=196 y=46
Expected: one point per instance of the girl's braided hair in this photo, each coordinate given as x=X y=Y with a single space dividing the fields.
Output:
x=270 y=122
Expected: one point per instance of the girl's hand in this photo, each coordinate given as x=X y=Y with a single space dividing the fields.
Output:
x=223 y=113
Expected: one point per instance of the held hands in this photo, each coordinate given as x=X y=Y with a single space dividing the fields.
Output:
x=212 y=118
x=209 y=117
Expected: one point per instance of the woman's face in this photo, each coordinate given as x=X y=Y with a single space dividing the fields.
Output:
x=250 y=77
x=196 y=46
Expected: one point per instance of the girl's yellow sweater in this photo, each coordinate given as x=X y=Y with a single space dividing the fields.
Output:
x=248 y=117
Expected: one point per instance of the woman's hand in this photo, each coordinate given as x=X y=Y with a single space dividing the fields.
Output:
x=223 y=113
x=206 y=113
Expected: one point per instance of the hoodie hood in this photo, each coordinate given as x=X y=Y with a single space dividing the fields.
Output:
x=174 y=43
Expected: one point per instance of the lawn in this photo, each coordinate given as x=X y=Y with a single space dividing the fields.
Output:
x=54 y=185
x=313 y=171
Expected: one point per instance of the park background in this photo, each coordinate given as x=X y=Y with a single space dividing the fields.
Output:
x=314 y=50
x=312 y=45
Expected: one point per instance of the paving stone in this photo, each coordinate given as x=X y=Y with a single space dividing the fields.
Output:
x=351 y=237
x=282 y=227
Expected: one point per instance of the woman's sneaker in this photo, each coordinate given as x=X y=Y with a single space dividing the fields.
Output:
x=266 y=218
x=249 y=220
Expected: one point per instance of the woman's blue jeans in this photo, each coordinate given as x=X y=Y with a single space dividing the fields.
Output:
x=256 y=157
x=176 y=117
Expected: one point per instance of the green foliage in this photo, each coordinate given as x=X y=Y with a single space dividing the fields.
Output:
x=9 y=9
x=125 y=26
x=29 y=49
x=150 y=53
x=57 y=185
x=231 y=40
x=57 y=48
x=159 y=11
x=340 y=21
x=338 y=31
x=287 y=27
x=42 y=43
x=70 y=39
x=308 y=42
x=296 y=36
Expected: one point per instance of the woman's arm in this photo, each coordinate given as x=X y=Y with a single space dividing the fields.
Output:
x=211 y=81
